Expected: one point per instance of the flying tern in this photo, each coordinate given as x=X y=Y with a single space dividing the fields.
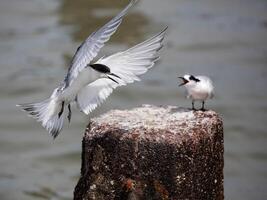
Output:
x=89 y=84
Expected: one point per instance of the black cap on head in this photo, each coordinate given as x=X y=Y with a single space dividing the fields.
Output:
x=192 y=78
x=100 y=68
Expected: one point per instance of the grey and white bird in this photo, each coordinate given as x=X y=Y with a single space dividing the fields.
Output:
x=199 y=88
x=89 y=84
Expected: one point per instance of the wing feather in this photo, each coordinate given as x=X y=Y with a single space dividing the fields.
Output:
x=92 y=45
x=128 y=65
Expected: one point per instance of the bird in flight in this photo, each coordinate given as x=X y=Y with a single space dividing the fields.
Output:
x=89 y=84
x=199 y=88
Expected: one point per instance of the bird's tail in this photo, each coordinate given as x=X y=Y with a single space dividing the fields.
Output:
x=49 y=112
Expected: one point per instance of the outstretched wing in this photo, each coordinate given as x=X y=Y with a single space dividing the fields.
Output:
x=91 y=46
x=128 y=65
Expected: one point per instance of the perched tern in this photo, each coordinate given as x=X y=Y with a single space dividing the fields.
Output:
x=89 y=84
x=199 y=88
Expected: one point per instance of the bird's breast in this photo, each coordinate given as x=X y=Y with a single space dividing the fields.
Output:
x=85 y=77
x=199 y=93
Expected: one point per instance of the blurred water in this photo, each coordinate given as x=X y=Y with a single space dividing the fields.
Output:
x=224 y=39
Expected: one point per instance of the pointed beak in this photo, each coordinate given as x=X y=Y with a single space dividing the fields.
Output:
x=111 y=74
x=184 y=81
x=113 y=79
x=115 y=75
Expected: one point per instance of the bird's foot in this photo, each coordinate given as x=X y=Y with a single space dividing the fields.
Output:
x=203 y=106
x=69 y=114
x=61 y=110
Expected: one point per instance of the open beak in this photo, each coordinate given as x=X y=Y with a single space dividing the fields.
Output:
x=184 y=81
x=115 y=75
x=111 y=74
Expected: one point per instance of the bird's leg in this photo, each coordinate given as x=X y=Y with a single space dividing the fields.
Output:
x=193 y=105
x=203 y=106
x=69 y=115
x=62 y=109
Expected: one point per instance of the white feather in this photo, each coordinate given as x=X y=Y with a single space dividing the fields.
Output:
x=94 y=94
x=50 y=112
x=46 y=112
x=92 y=45
x=128 y=65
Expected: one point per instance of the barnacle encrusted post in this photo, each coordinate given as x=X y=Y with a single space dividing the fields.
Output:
x=153 y=153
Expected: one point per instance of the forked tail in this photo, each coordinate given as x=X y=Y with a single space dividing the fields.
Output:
x=49 y=112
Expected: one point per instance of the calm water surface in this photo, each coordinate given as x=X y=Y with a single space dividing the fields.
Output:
x=224 y=39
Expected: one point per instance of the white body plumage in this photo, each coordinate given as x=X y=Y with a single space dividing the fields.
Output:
x=199 y=88
x=85 y=77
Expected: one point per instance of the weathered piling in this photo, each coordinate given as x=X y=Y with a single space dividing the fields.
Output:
x=152 y=153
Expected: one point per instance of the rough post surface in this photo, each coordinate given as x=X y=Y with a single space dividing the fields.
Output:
x=152 y=153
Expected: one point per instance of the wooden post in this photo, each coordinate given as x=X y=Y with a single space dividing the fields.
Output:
x=152 y=153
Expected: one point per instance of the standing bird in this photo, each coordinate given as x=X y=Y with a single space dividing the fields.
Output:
x=199 y=88
x=89 y=84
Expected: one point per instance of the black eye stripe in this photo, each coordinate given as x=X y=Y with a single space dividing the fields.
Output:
x=193 y=78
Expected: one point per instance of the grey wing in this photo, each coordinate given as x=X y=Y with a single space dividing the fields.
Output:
x=91 y=46
x=128 y=65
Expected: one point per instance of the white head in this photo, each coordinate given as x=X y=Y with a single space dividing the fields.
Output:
x=189 y=80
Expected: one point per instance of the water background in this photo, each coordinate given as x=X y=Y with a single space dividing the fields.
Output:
x=224 y=39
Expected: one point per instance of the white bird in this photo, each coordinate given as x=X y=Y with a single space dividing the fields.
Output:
x=199 y=88
x=89 y=84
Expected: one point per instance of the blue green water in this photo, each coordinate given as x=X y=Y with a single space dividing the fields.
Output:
x=226 y=40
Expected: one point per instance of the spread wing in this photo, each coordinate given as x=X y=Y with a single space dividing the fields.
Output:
x=91 y=46
x=128 y=65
